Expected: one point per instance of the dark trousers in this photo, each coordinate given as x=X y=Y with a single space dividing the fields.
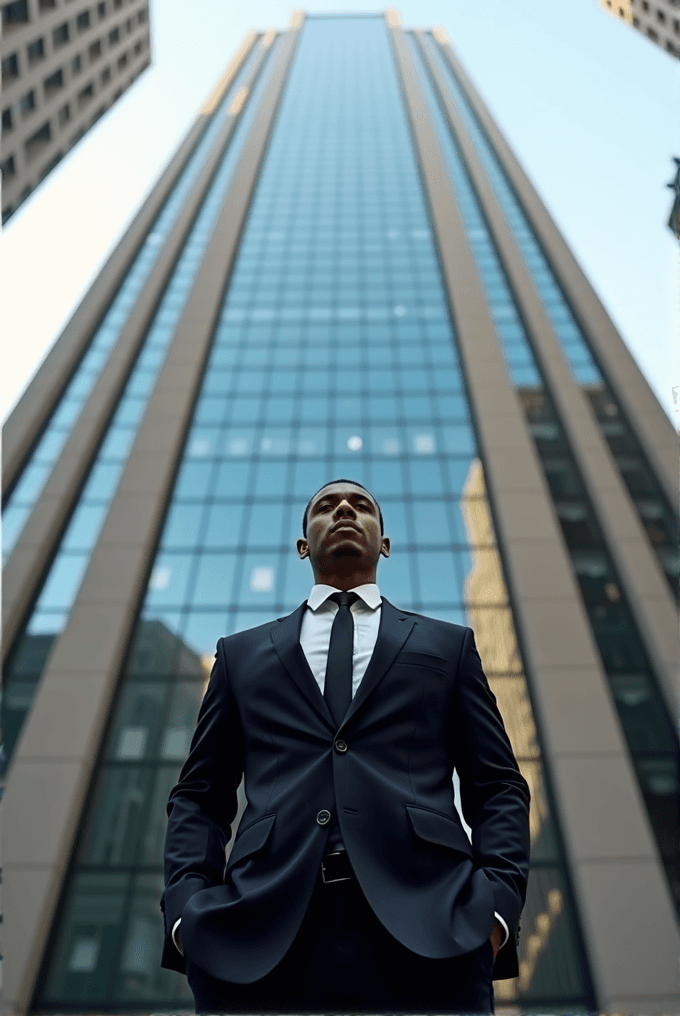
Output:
x=343 y=960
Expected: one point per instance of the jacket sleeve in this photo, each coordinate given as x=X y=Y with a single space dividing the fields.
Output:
x=203 y=804
x=494 y=794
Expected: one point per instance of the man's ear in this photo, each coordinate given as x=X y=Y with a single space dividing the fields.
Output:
x=302 y=549
x=385 y=546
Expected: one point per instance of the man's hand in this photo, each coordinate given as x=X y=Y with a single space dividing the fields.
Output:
x=496 y=937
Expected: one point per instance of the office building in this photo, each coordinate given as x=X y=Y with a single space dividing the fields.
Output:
x=64 y=63
x=658 y=20
x=343 y=271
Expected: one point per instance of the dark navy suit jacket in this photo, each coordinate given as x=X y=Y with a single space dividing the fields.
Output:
x=423 y=708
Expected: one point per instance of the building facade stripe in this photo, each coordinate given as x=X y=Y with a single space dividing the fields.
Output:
x=24 y=569
x=655 y=430
x=658 y=517
x=551 y=618
x=106 y=606
x=629 y=547
x=27 y=421
x=47 y=617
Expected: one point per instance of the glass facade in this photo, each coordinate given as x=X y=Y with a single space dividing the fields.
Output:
x=656 y=514
x=645 y=723
x=26 y=492
x=333 y=355
x=60 y=588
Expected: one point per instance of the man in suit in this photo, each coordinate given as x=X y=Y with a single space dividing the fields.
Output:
x=352 y=884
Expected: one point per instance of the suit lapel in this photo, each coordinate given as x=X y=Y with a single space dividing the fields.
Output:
x=286 y=638
x=395 y=628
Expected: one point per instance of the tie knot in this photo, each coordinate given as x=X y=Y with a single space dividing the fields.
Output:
x=344 y=599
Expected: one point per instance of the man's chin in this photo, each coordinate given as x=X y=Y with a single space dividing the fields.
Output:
x=346 y=551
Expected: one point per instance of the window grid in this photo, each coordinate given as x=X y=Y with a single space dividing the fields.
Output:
x=656 y=514
x=644 y=720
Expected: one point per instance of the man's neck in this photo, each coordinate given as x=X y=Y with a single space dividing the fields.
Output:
x=345 y=581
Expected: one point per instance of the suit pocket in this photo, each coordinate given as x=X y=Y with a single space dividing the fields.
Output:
x=422 y=660
x=433 y=827
x=252 y=840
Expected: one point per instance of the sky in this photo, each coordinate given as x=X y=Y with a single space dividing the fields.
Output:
x=590 y=107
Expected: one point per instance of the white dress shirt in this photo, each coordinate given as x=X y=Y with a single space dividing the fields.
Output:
x=315 y=639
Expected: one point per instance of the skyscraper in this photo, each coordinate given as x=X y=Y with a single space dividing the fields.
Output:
x=63 y=65
x=658 y=20
x=343 y=272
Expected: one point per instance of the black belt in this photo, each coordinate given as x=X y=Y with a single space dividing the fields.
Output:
x=335 y=867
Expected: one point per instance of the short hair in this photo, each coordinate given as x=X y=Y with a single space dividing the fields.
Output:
x=330 y=484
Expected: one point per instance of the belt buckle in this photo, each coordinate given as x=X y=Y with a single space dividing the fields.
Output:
x=329 y=881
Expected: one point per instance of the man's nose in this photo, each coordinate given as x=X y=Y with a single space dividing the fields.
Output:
x=344 y=508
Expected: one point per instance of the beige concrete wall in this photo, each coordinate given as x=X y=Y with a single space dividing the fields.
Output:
x=36 y=405
x=23 y=570
x=610 y=851
x=652 y=426
x=58 y=749
x=644 y=583
x=133 y=47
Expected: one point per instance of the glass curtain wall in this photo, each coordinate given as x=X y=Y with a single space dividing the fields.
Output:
x=334 y=356
x=19 y=504
x=656 y=514
x=50 y=613
x=646 y=726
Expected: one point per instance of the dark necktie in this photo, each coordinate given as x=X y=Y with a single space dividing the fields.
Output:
x=338 y=683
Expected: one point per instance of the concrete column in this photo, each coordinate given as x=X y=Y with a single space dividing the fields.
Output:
x=56 y=755
x=618 y=881
x=26 y=422
x=647 y=590
x=24 y=569
x=652 y=426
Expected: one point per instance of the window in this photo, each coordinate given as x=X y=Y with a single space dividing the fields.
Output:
x=101 y=11
x=654 y=36
x=8 y=168
x=106 y=76
x=143 y=16
x=645 y=5
x=117 y=4
x=60 y=35
x=35 y=51
x=85 y=95
x=76 y=64
x=10 y=68
x=53 y=83
x=114 y=36
x=64 y=115
x=95 y=50
x=27 y=103
x=15 y=14
x=636 y=22
x=676 y=26
x=122 y=61
x=128 y=25
x=661 y=17
x=38 y=141
x=7 y=121
x=138 y=47
x=83 y=21
x=47 y=5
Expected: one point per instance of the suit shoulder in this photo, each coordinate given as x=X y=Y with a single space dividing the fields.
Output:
x=248 y=636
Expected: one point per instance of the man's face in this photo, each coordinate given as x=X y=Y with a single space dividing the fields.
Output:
x=343 y=521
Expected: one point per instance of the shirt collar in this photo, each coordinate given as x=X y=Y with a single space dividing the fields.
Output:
x=369 y=593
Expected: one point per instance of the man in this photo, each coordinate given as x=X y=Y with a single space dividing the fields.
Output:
x=352 y=884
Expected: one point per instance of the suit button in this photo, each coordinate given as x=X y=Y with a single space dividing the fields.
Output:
x=324 y=817
x=341 y=746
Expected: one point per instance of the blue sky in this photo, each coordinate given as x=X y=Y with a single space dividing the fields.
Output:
x=590 y=107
